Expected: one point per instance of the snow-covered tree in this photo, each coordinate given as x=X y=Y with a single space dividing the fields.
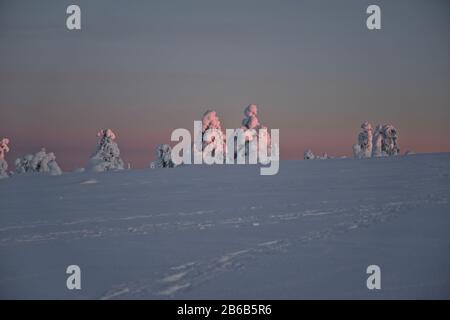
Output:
x=250 y=122
x=212 y=132
x=163 y=157
x=389 y=144
x=3 y=164
x=23 y=164
x=107 y=155
x=325 y=156
x=309 y=155
x=363 y=148
x=40 y=162
x=385 y=141
x=377 y=142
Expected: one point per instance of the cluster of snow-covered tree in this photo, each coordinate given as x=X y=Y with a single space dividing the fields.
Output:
x=213 y=138
x=370 y=143
x=309 y=155
x=383 y=141
x=41 y=162
x=106 y=157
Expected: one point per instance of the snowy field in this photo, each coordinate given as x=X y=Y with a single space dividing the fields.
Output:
x=227 y=232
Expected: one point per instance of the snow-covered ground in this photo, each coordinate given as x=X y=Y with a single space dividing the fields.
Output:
x=227 y=232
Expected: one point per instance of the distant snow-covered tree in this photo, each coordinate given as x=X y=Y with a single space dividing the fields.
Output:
x=163 y=157
x=251 y=122
x=212 y=134
x=309 y=155
x=389 y=144
x=4 y=148
x=40 y=162
x=325 y=156
x=107 y=155
x=377 y=142
x=363 y=148
x=23 y=164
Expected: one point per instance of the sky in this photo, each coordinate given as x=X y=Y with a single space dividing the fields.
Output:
x=145 y=68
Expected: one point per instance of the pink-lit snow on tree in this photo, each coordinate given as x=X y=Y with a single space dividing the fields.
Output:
x=212 y=134
x=363 y=148
x=4 y=149
x=250 y=123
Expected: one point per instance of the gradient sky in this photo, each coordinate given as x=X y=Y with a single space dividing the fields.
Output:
x=144 y=68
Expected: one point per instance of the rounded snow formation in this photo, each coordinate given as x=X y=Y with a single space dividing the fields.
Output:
x=210 y=120
x=4 y=149
x=251 y=110
x=163 y=154
x=309 y=155
x=41 y=162
x=366 y=126
x=107 y=133
x=251 y=121
x=107 y=155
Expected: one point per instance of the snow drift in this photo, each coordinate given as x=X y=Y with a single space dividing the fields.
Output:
x=225 y=232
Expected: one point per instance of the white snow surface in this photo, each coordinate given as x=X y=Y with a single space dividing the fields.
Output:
x=227 y=232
